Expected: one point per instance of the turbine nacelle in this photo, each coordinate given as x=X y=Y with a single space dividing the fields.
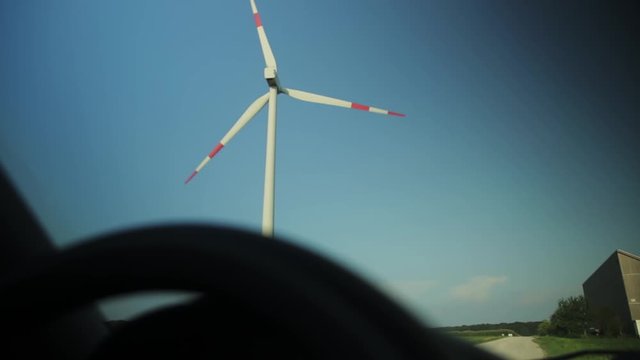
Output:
x=271 y=75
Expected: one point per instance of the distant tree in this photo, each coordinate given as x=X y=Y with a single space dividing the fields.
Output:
x=543 y=328
x=571 y=318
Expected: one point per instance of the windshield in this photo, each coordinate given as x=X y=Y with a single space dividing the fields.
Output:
x=514 y=176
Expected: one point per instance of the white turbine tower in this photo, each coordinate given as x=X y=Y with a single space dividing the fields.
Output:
x=271 y=75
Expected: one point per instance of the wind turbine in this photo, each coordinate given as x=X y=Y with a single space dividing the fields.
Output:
x=271 y=75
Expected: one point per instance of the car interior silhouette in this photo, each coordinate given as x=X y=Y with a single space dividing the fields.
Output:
x=258 y=298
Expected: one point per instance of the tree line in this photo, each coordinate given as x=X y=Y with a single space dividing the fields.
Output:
x=573 y=318
x=520 y=328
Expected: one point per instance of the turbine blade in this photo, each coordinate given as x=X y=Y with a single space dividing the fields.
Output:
x=321 y=99
x=244 y=119
x=269 y=59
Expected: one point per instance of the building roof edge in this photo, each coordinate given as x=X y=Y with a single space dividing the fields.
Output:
x=620 y=251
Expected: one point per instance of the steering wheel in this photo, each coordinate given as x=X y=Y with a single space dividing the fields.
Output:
x=259 y=298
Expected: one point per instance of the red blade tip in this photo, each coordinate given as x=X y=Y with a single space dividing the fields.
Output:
x=190 y=177
x=392 y=113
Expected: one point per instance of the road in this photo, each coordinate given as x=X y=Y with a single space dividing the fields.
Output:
x=514 y=348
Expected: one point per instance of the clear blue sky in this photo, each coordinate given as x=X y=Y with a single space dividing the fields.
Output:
x=514 y=175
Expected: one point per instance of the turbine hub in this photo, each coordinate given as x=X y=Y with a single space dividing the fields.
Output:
x=271 y=75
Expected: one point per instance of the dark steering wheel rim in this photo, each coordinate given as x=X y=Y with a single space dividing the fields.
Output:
x=354 y=317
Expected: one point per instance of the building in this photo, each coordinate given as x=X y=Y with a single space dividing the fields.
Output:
x=613 y=294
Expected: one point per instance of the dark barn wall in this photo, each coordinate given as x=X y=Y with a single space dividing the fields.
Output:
x=606 y=296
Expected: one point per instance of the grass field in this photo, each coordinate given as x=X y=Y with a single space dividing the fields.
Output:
x=554 y=346
x=480 y=336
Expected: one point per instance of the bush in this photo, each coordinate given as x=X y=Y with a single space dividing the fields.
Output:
x=571 y=318
x=543 y=328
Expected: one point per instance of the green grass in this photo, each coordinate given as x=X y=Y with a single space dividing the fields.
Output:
x=554 y=346
x=480 y=336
